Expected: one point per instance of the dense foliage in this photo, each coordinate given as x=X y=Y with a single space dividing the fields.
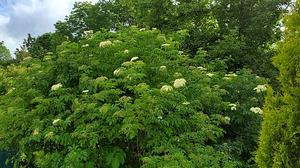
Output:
x=129 y=98
x=280 y=135
x=154 y=83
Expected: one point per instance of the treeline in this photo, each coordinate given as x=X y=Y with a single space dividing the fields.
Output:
x=241 y=33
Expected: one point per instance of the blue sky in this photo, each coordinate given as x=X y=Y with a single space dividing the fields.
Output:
x=20 y=17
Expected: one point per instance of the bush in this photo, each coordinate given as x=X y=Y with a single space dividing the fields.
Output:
x=127 y=99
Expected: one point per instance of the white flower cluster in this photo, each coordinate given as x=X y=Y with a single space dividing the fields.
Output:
x=142 y=29
x=85 y=91
x=125 y=98
x=231 y=75
x=134 y=59
x=166 y=45
x=162 y=68
x=186 y=103
x=256 y=110
x=232 y=106
x=105 y=44
x=166 y=88
x=142 y=85
x=88 y=32
x=56 y=86
x=47 y=57
x=260 y=88
x=56 y=121
x=35 y=132
x=179 y=83
x=201 y=68
x=210 y=75
x=118 y=72
x=85 y=45
x=192 y=67
x=126 y=51
x=127 y=63
x=175 y=2
x=102 y=78
x=227 y=119
x=112 y=30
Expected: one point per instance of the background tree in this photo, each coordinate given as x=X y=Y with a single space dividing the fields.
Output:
x=247 y=29
x=280 y=136
x=240 y=32
x=38 y=47
x=91 y=17
x=4 y=52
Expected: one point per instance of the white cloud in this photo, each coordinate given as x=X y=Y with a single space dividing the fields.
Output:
x=36 y=17
x=4 y=20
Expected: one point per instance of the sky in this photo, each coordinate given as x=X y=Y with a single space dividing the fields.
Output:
x=20 y=17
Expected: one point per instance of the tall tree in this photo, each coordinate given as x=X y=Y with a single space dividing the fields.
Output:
x=38 y=47
x=280 y=135
x=86 y=16
x=247 y=28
